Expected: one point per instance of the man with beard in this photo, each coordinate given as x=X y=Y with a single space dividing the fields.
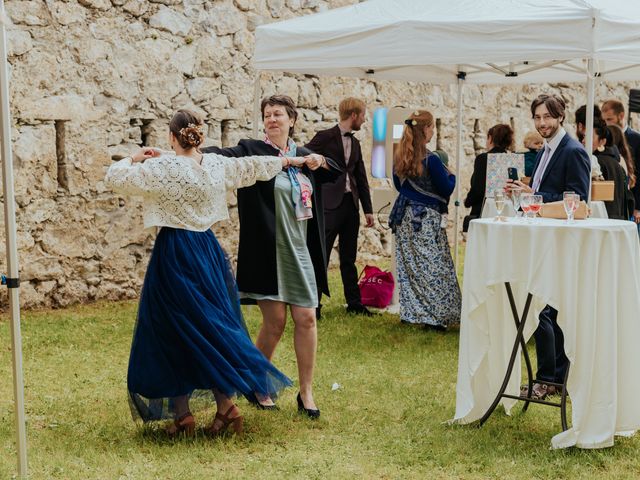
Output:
x=562 y=165
x=341 y=198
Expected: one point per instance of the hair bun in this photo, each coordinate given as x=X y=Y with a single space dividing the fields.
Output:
x=191 y=135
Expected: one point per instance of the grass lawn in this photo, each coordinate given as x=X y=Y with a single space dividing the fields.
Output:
x=397 y=388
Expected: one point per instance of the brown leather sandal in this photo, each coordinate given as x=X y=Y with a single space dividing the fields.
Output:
x=222 y=421
x=185 y=424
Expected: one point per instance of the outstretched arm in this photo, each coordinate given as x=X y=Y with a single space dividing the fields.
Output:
x=132 y=175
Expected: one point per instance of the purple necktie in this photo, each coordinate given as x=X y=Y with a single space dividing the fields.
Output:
x=540 y=171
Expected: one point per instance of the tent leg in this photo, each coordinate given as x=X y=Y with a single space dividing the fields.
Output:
x=590 y=103
x=12 y=255
x=257 y=117
x=459 y=153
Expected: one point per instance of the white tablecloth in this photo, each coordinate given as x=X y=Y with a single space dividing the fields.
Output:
x=598 y=209
x=589 y=271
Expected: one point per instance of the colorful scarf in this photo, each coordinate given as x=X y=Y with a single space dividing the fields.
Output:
x=301 y=188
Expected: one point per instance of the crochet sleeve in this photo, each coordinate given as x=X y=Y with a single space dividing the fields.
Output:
x=140 y=178
x=245 y=171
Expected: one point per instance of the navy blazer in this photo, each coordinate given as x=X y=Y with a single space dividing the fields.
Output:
x=568 y=170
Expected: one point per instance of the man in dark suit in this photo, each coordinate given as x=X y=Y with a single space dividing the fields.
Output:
x=613 y=114
x=341 y=198
x=561 y=165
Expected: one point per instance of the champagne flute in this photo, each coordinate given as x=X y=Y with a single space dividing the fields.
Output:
x=525 y=203
x=516 y=194
x=570 y=202
x=536 y=204
x=498 y=196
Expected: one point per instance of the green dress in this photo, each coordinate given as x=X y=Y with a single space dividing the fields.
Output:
x=296 y=277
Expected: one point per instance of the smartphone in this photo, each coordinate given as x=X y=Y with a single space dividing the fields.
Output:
x=512 y=172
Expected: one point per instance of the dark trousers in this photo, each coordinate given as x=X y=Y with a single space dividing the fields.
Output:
x=552 y=361
x=344 y=222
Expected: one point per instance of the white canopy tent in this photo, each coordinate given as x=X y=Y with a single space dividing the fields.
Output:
x=457 y=41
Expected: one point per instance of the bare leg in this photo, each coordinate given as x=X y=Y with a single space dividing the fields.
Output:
x=274 y=318
x=181 y=405
x=305 y=341
x=223 y=403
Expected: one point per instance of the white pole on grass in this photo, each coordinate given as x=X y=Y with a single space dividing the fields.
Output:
x=13 y=282
x=459 y=152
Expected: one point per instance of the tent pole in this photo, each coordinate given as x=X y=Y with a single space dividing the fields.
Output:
x=256 y=104
x=589 y=125
x=12 y=281
x=461 y=77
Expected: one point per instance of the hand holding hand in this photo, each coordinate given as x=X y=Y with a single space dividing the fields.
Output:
x=314 y=161
x=144 y=153
x=294 y=161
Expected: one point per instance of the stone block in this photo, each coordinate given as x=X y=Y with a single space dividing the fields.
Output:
x=33 y=13
x=18 y=42
x=171 y=21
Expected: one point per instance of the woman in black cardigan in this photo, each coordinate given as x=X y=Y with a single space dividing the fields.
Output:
x=499 y=140
x=281 y=254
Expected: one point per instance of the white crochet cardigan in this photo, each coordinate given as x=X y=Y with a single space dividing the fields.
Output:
x=180 y=193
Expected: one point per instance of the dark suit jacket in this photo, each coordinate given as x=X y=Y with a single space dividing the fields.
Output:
x=329 y=143
x=633 y=139
x=569 y=169
x=256 y=271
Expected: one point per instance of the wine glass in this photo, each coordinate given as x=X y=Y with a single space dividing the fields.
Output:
x=498 y=197
x=536 y=204
x=525 y=204
x=570 y=201
x=516 y=194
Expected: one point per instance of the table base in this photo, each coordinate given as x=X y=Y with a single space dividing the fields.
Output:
x=519 y=342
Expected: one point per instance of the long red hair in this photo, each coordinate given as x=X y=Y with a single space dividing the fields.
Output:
x=407 y=160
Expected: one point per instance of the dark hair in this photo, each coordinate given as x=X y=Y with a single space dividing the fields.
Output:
x=600 y=127
x=620 y=141
x=188 y=128
x=554 y=103
x=284 y=101
x=581 y=114
x=501 y=136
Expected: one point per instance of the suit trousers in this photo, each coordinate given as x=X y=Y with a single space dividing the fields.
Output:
x=552 y=361
x=344 y=222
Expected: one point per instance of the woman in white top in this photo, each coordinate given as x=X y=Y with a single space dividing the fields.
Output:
x=190 y=334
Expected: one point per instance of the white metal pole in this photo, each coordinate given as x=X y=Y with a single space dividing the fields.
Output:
x=257 y=117
x=459 y=153
x=12 y=253
x=589 y=125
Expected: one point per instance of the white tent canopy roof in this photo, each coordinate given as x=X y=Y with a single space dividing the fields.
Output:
x=431 y=40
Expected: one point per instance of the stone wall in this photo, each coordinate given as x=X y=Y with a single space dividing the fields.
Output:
x=93 y=79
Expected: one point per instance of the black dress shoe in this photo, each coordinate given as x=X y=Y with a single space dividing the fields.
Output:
x=311 y=413
x=359 y=310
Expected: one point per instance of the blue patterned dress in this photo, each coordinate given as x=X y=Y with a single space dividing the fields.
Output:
x=429 y=290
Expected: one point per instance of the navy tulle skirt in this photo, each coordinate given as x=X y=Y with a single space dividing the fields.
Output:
x=190 y=335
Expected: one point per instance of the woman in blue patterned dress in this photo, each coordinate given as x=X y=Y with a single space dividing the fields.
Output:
x=429 y=290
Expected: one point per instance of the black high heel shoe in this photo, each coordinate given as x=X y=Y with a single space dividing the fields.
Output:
x=311 y=413
x=256 y=403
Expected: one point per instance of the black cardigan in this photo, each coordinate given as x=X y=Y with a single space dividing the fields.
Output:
x=257 y=272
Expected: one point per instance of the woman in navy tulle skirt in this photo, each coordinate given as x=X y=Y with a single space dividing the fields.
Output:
x=190 y=335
